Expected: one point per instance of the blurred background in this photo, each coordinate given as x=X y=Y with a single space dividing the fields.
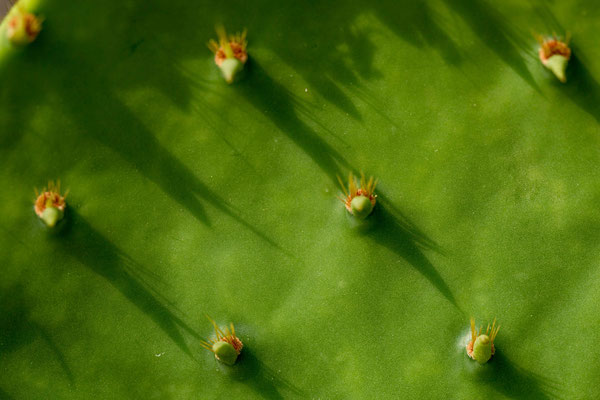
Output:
x=5 y=5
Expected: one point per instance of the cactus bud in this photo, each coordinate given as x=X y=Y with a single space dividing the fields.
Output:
x=22 y=28
x=554 y=55
x=482 y=349
x=359 y=200
x=481 y=346
x=230 y=53
x=50 y=204
x=226 y=347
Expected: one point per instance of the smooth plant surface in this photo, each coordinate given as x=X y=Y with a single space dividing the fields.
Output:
x=190 y=196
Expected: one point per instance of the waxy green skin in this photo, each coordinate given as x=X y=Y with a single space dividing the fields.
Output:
x=361 y=207
x=225 y=352
x=482 y=349
x=231 y=68
x=51 y=216
x=558 y=65
x=474 y=143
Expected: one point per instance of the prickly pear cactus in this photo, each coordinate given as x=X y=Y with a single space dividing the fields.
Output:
x=190 y=196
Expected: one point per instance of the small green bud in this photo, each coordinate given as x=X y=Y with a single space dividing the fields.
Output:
x=360 y=198
x=361 y=207
x=230 y=67
x=230 y=53
x=558 y=65
x=50 y=205
x=225 y=352
x=227 y=346
x=51 y=216
x=482 y=349
x=554 y=54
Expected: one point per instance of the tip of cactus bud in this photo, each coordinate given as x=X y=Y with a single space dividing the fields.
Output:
x=558 y=65
x=361 y=206
x=225 y=352
x=51 y=216
x=482 y=349
x=230 y=67
x=483 y=339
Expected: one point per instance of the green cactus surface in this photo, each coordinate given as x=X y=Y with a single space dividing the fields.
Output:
x=190 y=196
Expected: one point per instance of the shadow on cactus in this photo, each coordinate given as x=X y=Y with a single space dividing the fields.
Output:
x=509 y=380
x=494 y=31
x=18 y=329
x=155 y=162
x=127 y=136
x=265 y=94
x=582 y=88
x=252 y=372
x=5 y=395
x=346 y=54
x=79 y=239
x=15 y=117
x=397 y=233
x=416 y=23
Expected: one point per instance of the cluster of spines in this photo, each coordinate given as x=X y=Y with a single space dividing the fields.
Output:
x=227 y=335
x=553 y=45
x=493 y=329
x=225 y=42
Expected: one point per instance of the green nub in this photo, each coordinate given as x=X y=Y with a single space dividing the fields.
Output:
x=361 y=207
x=225 y=352
x=51 y=216
x=230 y=68
x=558 y=65
x=482 y=349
